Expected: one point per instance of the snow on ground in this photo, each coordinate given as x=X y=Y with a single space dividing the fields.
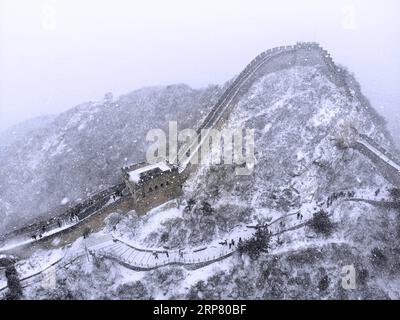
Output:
x=3 y=279
x=290 y=241
x=298 y=241
x=380 y=155
x=15 y=243
x=154 y=218
x=391 y=286
x=128 y=275
x=324 y=115
x=38 y=262
x=193 y=276
x=133 y=250
x=59 y=149
x=371 y=194
x=134 y=175
x=145 y=256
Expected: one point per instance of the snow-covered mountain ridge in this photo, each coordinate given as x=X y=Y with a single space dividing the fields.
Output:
x=82 y=150
x=298 y=114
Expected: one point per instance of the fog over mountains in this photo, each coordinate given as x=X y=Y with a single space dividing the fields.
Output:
x=81 y=151
x=300 y=115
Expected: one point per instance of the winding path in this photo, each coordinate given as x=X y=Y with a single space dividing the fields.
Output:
x=88 y=208
x=136 y=258
x=132 y=256
x=226 y=100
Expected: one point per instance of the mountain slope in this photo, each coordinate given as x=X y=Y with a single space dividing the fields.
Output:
x=297 y=115
x=82 y=150
x=299 y=112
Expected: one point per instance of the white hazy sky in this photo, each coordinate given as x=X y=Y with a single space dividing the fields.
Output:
x=55 y=54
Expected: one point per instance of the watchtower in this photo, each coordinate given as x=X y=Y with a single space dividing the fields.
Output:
x=152 y=184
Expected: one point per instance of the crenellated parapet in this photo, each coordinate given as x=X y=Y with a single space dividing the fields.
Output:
x=152 y=184
x=157 y=186
x=322 y=56
x=272 y=60
x=70 y=216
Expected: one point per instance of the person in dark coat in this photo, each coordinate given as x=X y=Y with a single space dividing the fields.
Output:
x=86 y=232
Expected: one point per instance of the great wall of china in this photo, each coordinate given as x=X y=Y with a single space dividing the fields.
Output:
x=152 y=191
x=269 y=61
x=387 y=163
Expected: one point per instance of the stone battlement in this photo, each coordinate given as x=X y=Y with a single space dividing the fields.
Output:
x=152 y=184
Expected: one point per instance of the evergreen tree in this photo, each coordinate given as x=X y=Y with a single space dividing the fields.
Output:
x=256 y=245
x=321 y=223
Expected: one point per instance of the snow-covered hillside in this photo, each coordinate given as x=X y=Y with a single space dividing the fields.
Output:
x=82 y=150
x=298 y=115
